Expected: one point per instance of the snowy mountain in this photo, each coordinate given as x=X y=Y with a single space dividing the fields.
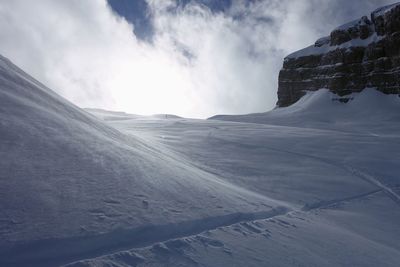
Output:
x=314 y=182
x=296 y=186
x=364 y=53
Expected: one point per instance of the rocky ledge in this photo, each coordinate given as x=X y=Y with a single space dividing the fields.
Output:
x=364 y=53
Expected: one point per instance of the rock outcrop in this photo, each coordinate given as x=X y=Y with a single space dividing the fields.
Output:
x=364 y=53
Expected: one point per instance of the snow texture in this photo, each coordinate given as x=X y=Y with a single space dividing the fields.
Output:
x=314 y=184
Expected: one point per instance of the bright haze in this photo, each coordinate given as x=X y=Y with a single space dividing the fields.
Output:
x=191 y=58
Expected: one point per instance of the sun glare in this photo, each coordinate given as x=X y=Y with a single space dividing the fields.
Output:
x=153 y=84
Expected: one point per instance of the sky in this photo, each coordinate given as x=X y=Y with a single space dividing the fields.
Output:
x=193 y=58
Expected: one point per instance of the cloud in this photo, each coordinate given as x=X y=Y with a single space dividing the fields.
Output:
x=199 y=63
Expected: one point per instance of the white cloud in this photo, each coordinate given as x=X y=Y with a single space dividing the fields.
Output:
x=199 y=64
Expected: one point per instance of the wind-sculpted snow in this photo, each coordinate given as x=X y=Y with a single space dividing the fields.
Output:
x=52 y=252
x=314 y=184
x=358 y=232
x=321 y=155
x=66 y=175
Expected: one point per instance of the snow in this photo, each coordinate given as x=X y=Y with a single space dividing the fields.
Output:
x=322 y=45
x=341 y=235
x=67 y=176
x=322 y=41
x=313 y=50
x=369 y=110
x=383 y=10
x=314 y=184
x=351 y=24
x=116 y=115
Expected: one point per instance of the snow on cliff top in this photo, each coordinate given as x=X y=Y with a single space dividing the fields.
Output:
x=325 y=48
x=354 y=23
x=382 y=10
x=315 y=50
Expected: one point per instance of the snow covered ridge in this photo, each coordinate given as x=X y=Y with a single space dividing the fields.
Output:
x=360 y=32
x=74 y=185
x=360 y=54
x=383 y=10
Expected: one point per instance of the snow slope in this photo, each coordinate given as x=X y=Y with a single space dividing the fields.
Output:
x=368 y=111
x=72 y=186
x=336 y=163
x=315 y=184
x=117 y=115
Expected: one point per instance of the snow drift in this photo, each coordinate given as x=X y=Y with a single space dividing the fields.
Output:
x=369 y=110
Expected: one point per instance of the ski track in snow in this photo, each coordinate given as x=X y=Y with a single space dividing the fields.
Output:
x=65 y=251
x=285 y=211
x=53 y=250
x=375 y=181
x=307 y=208
x=350 y=169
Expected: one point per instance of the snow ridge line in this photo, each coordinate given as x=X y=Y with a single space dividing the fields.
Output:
x=55 y=252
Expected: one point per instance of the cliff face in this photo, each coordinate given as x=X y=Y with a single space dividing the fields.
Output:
x=360 y=54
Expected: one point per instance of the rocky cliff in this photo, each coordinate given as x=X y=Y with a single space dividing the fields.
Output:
x=360 y=54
